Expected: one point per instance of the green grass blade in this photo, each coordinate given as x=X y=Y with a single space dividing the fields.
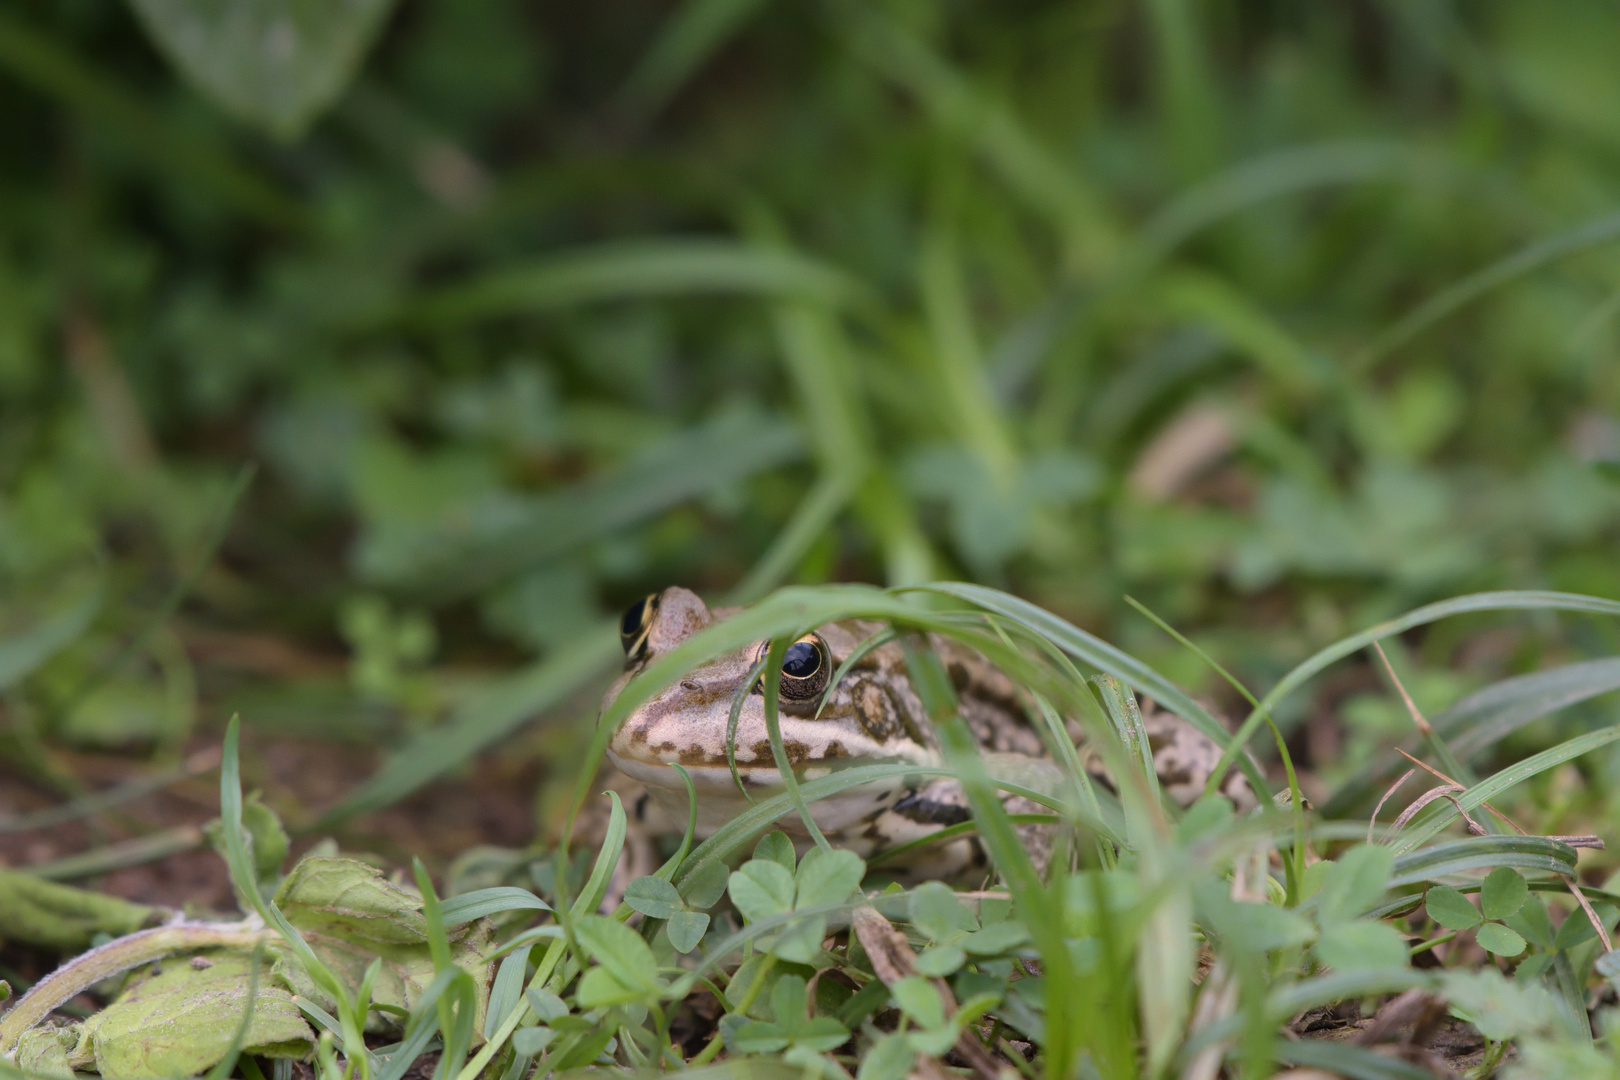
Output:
x=1489 y=788
x=475 y=905
x=1103 y=656
x=1592 y=234
x=491 y=543
x=482 y=722
x=687 y=40
x=171 y=152
x=1460 y=605
x=1482 y=853
x=22 y=654
x=633 y=269
x=1485 y=717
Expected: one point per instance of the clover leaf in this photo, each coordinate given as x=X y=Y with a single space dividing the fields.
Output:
x=1503 y=895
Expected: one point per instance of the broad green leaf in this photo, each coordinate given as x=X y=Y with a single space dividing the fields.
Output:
x=995 y=938
x=530 y=1041
x=705 y=887
x=619 y=949
x=686 y=929
x=800 y=941
x=1356 y=882
x=762 y=888
x=546 y=1005
x=1500 y=1007
x=939 y=961
x=788 y=1001
x=758 y=1037
x=184 y=1018
x=827 y=877
x=598 y=988
x=1498 y=939
x=1577 y=927
x=1503 y=893
x=776 y=847
x=1531 y=923
x=820 y=1034
x=1450 y=908
x=937 y=912
x=1361 y=944
x=266 y=837
x=347 y=898
x=933 y=1042
x=43 y=1052
x=888 y=1059
x=273 y=63
x=919 y=1000
x=590 y=1046
x=1248 y=926
x=653 y=897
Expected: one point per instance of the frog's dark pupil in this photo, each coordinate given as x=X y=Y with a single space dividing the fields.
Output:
x=631 y=623
x=801 y=660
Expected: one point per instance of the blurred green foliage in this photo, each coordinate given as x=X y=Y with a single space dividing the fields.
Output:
x=1281 y=317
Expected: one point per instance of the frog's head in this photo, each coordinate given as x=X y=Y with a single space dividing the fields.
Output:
x=870 y=716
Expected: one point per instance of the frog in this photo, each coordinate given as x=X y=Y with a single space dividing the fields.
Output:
x=871 y=714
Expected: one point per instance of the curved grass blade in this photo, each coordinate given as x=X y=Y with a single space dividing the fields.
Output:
x=677 y=266
x=475 y=905
x=773 y=732
x=684 y=44
x=1480 y=853
x=23 y=653
x=482 y=722
x=1493 y=786
x=1460 y=605
x=1592 y=234
x=1487 y=716
x=1103 y=656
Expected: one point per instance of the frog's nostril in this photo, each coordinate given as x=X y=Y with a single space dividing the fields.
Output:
x=689 y=686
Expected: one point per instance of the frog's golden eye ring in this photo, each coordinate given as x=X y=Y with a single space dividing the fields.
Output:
x=806 y=667
x=636 y=624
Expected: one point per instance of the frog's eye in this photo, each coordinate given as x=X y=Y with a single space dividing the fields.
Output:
x=806 y=667
x=637 y=621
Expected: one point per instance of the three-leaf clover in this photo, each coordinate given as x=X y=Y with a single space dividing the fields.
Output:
x=626 y=970
x=658 y=899
x=1354 y=883
x=1501 y=896
x=954 y=930
x=793 y=1028
x=768 y=886
x=930 y=1031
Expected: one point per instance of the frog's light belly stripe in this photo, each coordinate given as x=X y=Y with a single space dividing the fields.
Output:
x=718 y=799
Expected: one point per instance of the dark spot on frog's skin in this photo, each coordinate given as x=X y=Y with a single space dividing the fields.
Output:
x=928 y=811
x=835 y=749
x=664 y=749
x=638 y=736
x=797 y=752
x=694 y=755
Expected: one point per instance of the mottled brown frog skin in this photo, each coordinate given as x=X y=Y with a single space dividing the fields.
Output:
x=871 y=716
